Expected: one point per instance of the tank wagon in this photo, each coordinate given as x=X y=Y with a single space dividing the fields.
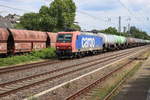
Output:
x=18 y=41
x=75 y=44
x=112 y=42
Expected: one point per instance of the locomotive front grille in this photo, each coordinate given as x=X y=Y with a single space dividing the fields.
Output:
x=63 y=52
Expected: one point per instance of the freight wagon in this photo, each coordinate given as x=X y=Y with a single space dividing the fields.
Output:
x=18 y=41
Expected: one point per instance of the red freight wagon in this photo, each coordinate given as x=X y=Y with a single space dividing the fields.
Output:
x=26 y=40
x=3 y=40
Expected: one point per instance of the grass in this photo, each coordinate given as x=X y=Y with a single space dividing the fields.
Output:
x=110 y=84
x=128 y=75
x=47 y=53
x=116 y=79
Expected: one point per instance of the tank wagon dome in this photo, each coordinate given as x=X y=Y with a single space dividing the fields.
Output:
x=28 y=35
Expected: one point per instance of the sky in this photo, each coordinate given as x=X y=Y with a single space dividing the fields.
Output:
x=92 y=14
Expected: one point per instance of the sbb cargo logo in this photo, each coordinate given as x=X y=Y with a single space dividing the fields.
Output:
x=88 y=42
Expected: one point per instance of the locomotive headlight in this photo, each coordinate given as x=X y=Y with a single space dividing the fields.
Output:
x=69 y=48
x=57 y=47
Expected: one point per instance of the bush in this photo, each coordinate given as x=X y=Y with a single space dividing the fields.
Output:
x=46 y=53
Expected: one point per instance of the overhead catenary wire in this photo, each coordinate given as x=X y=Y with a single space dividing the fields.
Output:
x=143 y=16
x=130 y=12
x=85 y=13
x=91 y=16
x=8 y=5
x=109 y=21
x=96 y=18
x=19 y=9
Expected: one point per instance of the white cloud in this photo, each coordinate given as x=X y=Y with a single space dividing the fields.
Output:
x=137 y=11
x=20 y=6
x=93 y=14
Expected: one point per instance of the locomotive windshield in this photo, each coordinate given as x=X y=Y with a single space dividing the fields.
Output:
x=64 y=38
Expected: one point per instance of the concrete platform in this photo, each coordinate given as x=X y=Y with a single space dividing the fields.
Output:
x=137 y=87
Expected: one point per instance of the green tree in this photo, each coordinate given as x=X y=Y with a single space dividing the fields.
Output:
x=135 y=32
x=75 y=27
x=64 y=12
x=44 y=10
x=69 y=12
x=56 y=9
x=58 y=17
x=30 y=21
x=111 y=30
x=47 y=22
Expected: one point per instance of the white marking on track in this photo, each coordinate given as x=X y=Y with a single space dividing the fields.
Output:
x=148 y=95
x=58 y=86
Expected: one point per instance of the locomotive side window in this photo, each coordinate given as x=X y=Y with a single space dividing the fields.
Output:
x=64 y=38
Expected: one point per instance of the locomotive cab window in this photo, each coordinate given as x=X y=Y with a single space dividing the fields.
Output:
x=64 y=38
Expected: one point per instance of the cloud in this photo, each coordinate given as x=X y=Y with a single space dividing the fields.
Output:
x=97 y=5
x=93 y=14
x=112 y=9
x=20 y=6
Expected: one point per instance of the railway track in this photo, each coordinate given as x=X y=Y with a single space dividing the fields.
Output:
x=29 y=66
x=99 y=81
x=26 y=66
x=28 y=82
x=94 y=84
x=124 y=79
x=35 y=65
